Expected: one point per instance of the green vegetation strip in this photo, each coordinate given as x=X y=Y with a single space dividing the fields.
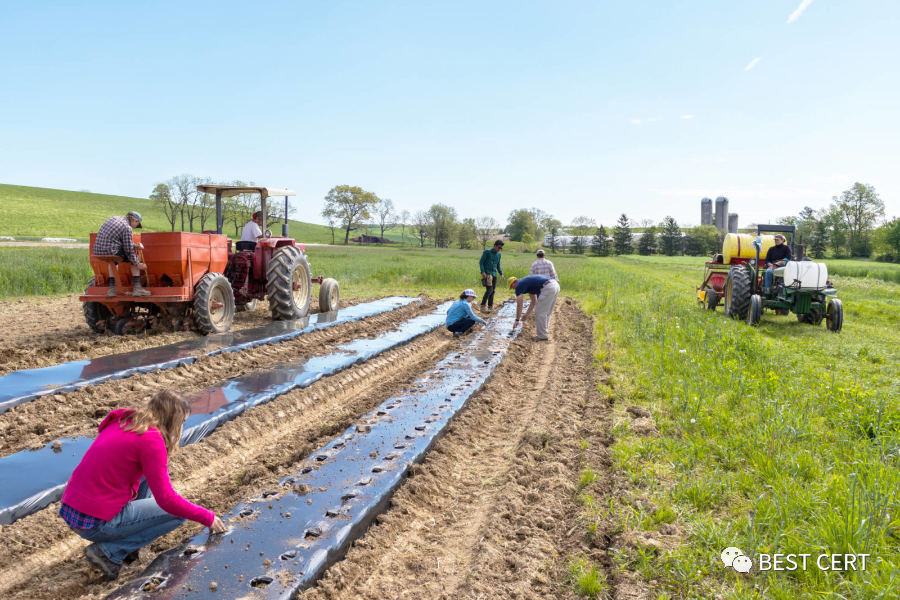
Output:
x=777 y=439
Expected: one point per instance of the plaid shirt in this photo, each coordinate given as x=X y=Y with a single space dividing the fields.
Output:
x=115 y=236
x=77 y=519
x=544 y=267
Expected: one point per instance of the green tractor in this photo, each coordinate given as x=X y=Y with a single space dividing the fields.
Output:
x=801 y=287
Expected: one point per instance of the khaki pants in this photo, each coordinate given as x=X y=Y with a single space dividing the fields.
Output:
x=545 y=303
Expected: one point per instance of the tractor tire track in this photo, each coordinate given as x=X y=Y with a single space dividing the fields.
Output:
x=40 y=558
x=47 y=418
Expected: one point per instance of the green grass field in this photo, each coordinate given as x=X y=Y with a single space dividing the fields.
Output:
x=29 y=212
x=783 y=438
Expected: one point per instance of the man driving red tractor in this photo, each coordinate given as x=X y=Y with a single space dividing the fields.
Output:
x=115 y=239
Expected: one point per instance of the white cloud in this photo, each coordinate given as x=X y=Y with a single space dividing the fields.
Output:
x=687 y=116
x=635 y=121
x=753 y=63
x=650 y=120
x=796 y=14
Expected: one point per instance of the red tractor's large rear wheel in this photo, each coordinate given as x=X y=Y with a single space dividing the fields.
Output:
x=737 y=293
x=288 y=284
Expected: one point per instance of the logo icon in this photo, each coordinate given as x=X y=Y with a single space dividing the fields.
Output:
x=735 y=558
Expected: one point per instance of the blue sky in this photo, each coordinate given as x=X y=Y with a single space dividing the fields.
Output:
x=580 y=108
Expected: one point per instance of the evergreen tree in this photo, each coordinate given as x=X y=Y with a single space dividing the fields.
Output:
x=647 y=243
x=577 y=245
x=599 y=243
x=818 y=239
x=670 y=238
x=622 y=235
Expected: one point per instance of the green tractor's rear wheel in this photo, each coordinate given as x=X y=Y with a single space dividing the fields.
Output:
x=288 y=284
x=213 y=304
x=813 y=317
x=712 y=299
x=834 y=315
x=737 y=293
x=754 y=312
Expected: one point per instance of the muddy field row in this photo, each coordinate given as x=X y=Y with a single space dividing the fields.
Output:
x=36 y=423
x=490 y=514
x=39 y=332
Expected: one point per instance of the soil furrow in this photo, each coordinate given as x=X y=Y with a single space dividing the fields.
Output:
x=36 y=423
x=492 y=513
x=239 y=460
x=26 y=341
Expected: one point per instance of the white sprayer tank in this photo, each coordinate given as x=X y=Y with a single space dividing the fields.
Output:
x=805 y=275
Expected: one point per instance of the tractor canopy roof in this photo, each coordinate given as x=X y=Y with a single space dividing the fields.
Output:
x=233 y=190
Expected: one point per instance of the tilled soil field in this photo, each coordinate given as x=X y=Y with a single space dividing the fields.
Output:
x=39 y=332
x=34 y=424
x=490 y=514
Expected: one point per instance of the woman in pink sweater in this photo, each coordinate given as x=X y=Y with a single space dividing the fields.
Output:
x=108 y=498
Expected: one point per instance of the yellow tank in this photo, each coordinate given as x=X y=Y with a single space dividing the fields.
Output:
x=740 y=245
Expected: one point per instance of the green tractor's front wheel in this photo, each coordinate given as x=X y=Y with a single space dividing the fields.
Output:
x=737 y=292
x=754 y=311
x=834 y=315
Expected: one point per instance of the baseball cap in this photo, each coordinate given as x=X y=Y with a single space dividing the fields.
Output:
x=137 y=216
x=469 y=293
x=540 y=252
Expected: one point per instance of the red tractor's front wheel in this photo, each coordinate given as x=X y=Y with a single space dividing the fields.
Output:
x=213 y=304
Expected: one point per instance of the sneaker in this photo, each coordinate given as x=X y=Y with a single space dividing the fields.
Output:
x=96 y=557
x=535 y=338
x=140 y=291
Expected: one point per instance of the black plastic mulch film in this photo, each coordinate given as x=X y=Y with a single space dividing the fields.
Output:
x=284 y=540
x=33 y=479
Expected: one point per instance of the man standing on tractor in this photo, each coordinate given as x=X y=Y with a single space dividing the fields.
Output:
x=543 y=292
x=490 y=267
x=777 y=256
x=115 y=238
x=251 y=231
x=544 y=267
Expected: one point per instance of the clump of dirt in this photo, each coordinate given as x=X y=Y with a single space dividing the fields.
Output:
x=36 y=423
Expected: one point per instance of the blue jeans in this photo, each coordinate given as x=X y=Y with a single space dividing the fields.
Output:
x=140 y=522
x=769 y=276
x=461 y=326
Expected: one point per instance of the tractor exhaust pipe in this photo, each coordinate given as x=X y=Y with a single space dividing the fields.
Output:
x=284 y=228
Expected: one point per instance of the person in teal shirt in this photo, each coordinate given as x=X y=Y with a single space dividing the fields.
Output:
x=490 y=268
x=460 y=317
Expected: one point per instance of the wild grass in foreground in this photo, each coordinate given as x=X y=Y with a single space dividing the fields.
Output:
x=778 y=439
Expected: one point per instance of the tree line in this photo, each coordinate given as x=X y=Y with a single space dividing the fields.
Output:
x=184 y=206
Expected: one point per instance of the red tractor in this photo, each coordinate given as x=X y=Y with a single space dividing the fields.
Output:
x=197 y=280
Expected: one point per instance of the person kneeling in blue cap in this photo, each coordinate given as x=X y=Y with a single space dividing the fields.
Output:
x=460 y=317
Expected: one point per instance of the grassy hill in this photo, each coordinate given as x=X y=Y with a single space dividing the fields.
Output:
x=40 y=212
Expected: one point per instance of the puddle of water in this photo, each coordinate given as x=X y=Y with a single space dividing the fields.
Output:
x=303 y=532
x=209 y=410
x=24 y=386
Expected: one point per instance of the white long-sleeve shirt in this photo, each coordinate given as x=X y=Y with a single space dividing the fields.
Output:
x=251 y=232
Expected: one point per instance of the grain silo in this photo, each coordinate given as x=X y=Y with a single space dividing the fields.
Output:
x=732 y=223
x=706 y=211
x=722 y=213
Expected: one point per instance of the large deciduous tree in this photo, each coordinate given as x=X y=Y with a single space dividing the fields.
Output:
x=487 y=228
x=350 y=206
x=162 y=195
x=521 y=221
x=443 y=224
x=384 y=213
x=860 y=207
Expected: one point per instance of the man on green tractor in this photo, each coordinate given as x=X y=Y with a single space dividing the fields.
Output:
x=777 y=256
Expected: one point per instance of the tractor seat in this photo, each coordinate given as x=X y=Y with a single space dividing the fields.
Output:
x=245 y=246
x=108 y=258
